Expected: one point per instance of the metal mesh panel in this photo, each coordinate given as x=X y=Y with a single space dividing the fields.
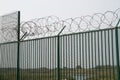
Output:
x=8 y=27
x=8 y=48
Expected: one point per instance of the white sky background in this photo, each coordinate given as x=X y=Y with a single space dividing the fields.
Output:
x=31 y=9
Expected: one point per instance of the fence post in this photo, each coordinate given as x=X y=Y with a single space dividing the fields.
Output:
x=117 y=50
x=58 y=55
x=18 y=47
x=58 y=59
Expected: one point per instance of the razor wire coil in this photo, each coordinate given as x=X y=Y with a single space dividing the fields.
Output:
x=51 y=25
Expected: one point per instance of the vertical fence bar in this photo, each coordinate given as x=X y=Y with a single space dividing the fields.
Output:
x=117 y=50
x=50 y=56
x=63 y=59
x=95 y=38
x=105 y=54
x=89 y=51
x=117 y=53
x=58 y=51
x=42 y=56
x=18 y=46
x=48 y=59
x=91 y=56
x=98 y=45
x=65 y=55
x=58 y=59
x=76 y=42
x=113 y=67
x=74 y=72
x=70 y=58
x=80 y=51
x=109 y=70
x=85 y=48
x=66 y=40
x=102 y=55
x=83 y=53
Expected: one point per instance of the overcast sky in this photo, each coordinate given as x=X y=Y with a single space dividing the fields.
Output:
x=62 y=8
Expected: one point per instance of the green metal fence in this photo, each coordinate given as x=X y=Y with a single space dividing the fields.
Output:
x=8 y=46
x=89 y=55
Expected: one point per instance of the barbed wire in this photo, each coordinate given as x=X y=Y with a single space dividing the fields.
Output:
x=51 y=25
